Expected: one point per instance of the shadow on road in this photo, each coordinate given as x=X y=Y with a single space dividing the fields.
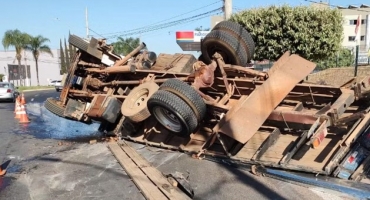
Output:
x=244 y=178
x=5 y=164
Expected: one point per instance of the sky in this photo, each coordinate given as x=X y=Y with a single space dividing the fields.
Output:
x=109 y=18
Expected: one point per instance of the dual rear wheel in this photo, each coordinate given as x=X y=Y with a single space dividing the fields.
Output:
x=231 y=40
x=175 y=105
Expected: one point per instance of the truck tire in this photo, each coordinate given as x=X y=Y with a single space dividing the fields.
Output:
x=228 y=46
x=172 y=112
x=134 y=106
x=187 y=94
x=52 y=106
x=240 y=33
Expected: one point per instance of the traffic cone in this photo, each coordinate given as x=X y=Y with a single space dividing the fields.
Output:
x=2 y=171
x=18 y=111
x=23 y=116
x=17 y=102
x=23 y=100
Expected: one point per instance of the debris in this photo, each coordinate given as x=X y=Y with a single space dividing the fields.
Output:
x=93 y=141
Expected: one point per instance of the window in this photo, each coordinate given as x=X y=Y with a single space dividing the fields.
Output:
x=4 y=85
x=362 y=38
x=353 y=22
x=351 y=38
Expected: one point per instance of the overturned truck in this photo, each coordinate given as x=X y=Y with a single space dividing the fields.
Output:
x=216 y=106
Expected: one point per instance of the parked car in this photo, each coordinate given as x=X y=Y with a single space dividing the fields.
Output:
x=58 y=85
x=8 y=92
x=52 y=83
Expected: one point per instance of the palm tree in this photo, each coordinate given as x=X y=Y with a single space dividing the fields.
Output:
x=37 y=45
x=125 y=46
x=18 y=40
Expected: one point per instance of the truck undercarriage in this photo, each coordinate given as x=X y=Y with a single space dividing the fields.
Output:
x=216 y=106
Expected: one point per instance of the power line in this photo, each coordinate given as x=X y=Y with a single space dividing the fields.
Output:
x=147 y=26
x=336 y=6
x=168 y=24
x=96 y=33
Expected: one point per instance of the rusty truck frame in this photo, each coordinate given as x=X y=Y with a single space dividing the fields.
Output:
x=216 y=106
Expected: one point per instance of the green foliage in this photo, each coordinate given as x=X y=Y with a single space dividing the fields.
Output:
x=63 y=67
x=313 y=33
x=37 y=46
x=18 y=40
x=1 y=77
x=125 y=46
x=344 y=58
x=201 y=29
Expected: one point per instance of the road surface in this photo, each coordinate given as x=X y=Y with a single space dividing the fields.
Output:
x=51 y=158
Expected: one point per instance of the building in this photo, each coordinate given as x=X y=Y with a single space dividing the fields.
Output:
x=351 y=15
x=49 y=67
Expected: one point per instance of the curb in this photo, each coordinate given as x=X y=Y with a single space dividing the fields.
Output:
x=30 y=90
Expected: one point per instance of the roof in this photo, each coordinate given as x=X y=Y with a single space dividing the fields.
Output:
x=354 y=6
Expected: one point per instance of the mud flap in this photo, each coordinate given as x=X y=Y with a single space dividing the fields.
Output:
x=243 y=120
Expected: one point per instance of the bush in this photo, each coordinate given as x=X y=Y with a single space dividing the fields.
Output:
x=315 y=34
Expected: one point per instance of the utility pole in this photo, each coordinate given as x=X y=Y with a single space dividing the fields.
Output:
x=228 y=9
x=87 y=25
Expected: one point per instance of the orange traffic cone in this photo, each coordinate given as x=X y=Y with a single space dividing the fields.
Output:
x=2 y=171
x=23 y=116
x=18 y=111
x=23 y=100
x=17 y=102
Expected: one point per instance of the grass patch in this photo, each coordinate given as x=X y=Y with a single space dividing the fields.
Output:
x=23 y=88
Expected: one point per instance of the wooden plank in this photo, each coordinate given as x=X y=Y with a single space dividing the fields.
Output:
x=148 y=189
x=154 y=174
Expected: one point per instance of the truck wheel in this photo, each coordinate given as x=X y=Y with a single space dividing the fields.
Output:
x=228 y=46
x=187 y=94
x=52 y=106
x=240 y=33
x=172 y=112
x=134 y=106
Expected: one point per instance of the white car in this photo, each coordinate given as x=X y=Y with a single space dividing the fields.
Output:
x=52 y=83
x=58 y=85
x=8 y=91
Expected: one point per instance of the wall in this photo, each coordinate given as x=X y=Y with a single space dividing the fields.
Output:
x=49 y=67
x=349 y=30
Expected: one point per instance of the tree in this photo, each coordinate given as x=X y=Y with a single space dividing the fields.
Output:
x=201 y=29
x=18 y=40
x=63 y=67
x=37 y=46
x=125 y=46
x=344 y=58
x=313 y=33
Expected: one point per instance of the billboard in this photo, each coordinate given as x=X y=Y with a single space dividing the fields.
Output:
x=16 y=73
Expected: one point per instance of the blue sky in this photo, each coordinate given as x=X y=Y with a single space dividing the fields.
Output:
x=54 y=19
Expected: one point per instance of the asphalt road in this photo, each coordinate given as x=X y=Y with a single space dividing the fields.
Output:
x=50 y=158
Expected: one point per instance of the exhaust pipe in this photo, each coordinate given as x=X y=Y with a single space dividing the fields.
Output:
x=132 y=53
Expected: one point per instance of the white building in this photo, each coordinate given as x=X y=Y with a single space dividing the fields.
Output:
x=351 y=14
x=49 y=67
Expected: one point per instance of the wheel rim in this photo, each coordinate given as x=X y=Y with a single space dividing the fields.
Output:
x=140 y=99
x=167 y=119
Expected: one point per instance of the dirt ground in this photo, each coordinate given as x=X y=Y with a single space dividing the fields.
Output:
x=338 y=76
